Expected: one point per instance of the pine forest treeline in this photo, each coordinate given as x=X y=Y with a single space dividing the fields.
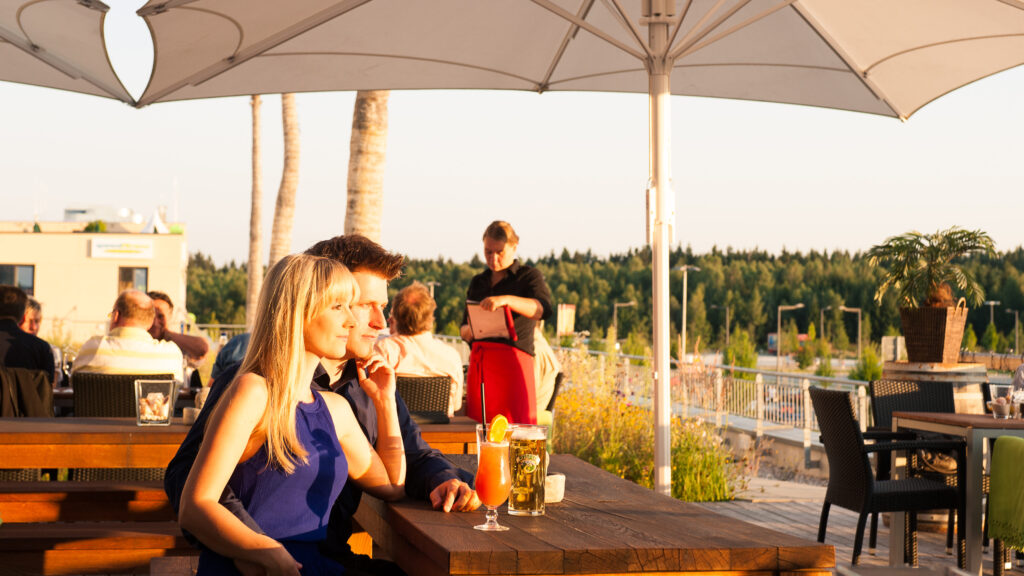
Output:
x=751 y=283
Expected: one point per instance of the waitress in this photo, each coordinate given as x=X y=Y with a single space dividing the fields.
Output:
x=505 y=365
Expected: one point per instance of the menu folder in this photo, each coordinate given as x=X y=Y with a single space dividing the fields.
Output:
x=490 y=324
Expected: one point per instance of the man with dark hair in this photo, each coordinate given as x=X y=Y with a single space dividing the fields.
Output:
x=412 y=350
x=19 y=349
x=191 y=346
x=429 y=475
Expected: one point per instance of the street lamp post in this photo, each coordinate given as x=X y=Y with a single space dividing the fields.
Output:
x=615 y=314
x=991 y=309
x=726 y=306
x=778 y=333
x=431 y=284
x=857 y=310
x=682 y=342
x=1016 y=329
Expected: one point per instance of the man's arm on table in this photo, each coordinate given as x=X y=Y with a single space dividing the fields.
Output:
x=191 y=346
x=429 y=475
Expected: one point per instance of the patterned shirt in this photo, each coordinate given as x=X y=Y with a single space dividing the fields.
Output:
x=129 y=350
x=421 y=355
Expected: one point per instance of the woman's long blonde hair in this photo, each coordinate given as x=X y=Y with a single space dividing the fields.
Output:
x=297 y=289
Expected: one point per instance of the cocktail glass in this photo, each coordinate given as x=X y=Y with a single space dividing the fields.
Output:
x=493 y=479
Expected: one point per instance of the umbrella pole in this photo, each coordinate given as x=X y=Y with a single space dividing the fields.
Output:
x=659 y=69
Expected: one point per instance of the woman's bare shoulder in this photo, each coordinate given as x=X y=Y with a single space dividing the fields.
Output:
x=250 y=388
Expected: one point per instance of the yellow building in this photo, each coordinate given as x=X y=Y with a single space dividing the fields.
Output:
x=76 y=276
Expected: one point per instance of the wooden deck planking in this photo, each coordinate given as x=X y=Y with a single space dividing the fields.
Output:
x=801 y=519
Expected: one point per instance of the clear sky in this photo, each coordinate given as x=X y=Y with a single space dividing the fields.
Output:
x=567 y=170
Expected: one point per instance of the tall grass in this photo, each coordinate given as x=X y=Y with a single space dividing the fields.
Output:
x=603 y=417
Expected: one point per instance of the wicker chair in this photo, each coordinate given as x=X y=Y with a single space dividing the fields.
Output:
x=107 y=395
x=888 y=396
x=426 y=397
x=110 y=396
x=851 y=483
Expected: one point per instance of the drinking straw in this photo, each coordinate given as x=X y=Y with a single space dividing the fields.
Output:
x=483 y=405
x=483 y=396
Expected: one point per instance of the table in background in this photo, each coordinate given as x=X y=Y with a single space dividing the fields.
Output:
x=64 y=401
x=975 y=429
x=121 y=443
x=605 y=525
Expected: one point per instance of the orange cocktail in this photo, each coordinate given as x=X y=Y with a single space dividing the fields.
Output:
x=493 y=479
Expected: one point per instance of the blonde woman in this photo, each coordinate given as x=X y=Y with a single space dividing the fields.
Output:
x=284 y=449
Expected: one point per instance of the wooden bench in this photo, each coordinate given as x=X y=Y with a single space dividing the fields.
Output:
x=83 y=502
x=62 y=528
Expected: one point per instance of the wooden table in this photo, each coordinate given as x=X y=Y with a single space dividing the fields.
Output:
x=605 y=525
x=120 y=443
x=975 y=429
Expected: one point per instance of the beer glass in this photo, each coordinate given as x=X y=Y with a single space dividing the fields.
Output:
x=492 y=476
x=529 y=458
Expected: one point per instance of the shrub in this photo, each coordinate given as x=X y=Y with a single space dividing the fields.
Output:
x=868 y=367
x=741 y=352
x=597 y=422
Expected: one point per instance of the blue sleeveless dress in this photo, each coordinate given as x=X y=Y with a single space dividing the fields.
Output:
x=292 y=509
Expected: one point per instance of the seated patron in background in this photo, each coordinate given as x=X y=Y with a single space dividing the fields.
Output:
x=127 y=348
x=19 y=349
x=194 y=347
x=33 y=317
x=30 y=323
x=546 y=368
x=412 y=350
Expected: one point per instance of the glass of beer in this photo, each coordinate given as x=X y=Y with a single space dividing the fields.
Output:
x=492 y=475
x=529 y=457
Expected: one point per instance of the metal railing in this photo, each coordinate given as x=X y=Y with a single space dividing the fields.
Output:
x=221 y=333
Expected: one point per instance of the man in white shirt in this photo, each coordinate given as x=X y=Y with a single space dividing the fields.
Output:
x=127 y=348
x=412 y=350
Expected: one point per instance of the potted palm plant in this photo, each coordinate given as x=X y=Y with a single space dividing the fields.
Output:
x=921 y=268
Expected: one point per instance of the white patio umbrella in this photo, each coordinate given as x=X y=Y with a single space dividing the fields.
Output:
x=880 y=56
x=57 y=44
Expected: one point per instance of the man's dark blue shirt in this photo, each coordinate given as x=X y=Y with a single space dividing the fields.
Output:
x=426 y=468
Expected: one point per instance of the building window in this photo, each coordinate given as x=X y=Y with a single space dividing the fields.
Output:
x=22 y=276
x=132 y=278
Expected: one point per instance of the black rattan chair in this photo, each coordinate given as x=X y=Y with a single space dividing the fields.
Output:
x=852 y=484
x=110 y=396
x=888 y=396
x=426 y=397
x=107 y=395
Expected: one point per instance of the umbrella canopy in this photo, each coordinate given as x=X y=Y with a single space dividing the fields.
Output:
x=887 y=57
x=57 y=44
x=875 y=56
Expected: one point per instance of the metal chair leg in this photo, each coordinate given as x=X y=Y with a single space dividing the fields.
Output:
x=873 y=539
x=824 y=521
x=858 y=539
x=949 y=532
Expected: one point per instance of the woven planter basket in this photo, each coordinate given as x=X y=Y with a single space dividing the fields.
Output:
x=934 y=334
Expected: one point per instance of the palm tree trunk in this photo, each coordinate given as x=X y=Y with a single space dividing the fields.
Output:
x=252 y=293
x=367 y=152
x=284 y=211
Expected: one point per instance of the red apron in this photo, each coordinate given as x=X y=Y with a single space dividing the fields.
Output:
x=507 y=373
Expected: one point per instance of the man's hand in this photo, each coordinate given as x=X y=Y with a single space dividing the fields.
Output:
x=454 y=495
x=376 y=377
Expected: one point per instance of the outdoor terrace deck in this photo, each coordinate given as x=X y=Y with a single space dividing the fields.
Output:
x=800 y=518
